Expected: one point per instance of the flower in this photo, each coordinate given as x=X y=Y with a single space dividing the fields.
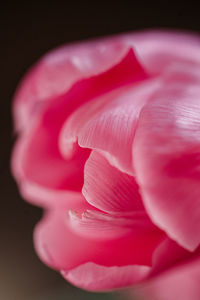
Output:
x=109 y=145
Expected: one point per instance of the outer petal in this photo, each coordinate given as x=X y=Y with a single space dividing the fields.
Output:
x=100 y=278
x=167 y=255
x=58 y=70
x=37 y=158
x=166 y=155
x=178 y=283
x=61 y=247
x=45 y=197
x=158 y=50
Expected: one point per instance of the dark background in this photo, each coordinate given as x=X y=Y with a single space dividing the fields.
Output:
x=27 y=31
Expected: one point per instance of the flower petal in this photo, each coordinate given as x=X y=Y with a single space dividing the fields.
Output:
x=107 y=188
x=58 y=70
x=159 y=49
x=178 y=283
x=44 y=197
x=101 y=278
x=37 y=157
x=166 y=156
x=98 y=225
x=167 y=255
x=108 y=124
x=69 y=249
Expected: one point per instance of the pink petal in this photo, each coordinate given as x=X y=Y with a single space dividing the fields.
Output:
x=47 y=198
x=99 y=225
x=167 y=255
x=166 y=160
x=37 y=157
x=58 y=70
x=61 y=247
x=108 y=124
x=93 y=277
x=107 y=188
x=157 y=50
x=178 y=283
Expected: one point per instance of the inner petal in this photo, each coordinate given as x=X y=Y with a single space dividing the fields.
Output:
x=59 y=69
x=108 y=124
x=37 y=157
x=98 y=225
x=109 y=189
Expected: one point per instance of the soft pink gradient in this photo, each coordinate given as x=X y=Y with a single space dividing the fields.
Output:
x=109 y=145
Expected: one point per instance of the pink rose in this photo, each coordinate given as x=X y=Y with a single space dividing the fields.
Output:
x=109 y=146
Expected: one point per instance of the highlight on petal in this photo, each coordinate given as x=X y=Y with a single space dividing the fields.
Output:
x=101 y=278
x=158 y=49
x=166 y=155
x=44 y=197
x=107 y=188
x=182 y=73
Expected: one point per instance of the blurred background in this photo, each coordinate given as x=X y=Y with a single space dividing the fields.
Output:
x=27 y=31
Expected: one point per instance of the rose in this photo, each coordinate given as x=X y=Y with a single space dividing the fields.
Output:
x=109 y=146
